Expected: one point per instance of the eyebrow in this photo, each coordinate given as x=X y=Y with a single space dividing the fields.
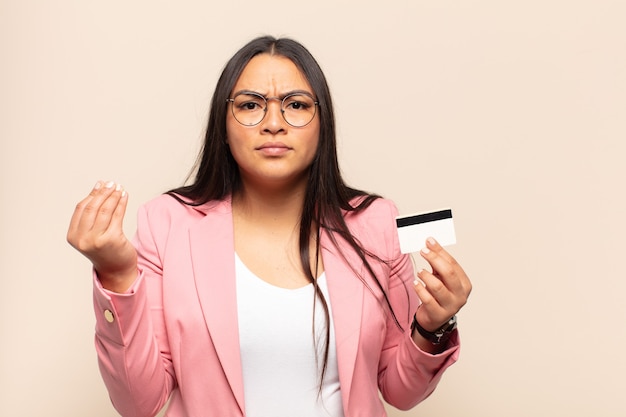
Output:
x=280 y=97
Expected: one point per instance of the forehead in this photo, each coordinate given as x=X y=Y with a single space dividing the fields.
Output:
x=271 y=75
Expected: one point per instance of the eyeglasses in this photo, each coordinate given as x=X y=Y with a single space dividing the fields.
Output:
x=249 y=108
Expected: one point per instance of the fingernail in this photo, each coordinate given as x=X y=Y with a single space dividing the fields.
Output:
x=425 y=250
x=109 y=184
x=97 y=186
x=118 y=187
x=432 y=241
x=123 y=193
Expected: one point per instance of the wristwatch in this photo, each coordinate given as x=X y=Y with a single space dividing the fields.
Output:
x=438 y=336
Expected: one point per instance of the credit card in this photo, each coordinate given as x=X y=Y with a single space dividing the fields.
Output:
x=414 y=229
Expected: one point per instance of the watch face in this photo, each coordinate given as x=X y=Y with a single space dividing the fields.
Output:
x=447 y=328
x=452 y=322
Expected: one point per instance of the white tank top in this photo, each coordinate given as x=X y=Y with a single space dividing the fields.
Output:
x=280 y=375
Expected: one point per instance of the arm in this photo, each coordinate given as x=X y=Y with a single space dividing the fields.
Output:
x=410 y=366
x=131 y=343
x=133 y=352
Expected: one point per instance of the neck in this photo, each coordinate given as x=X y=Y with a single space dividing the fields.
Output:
x=276 y=206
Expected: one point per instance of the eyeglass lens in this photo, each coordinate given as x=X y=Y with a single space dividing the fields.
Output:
x=249 y=109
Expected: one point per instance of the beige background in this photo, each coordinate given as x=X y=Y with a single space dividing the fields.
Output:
x=511 y=113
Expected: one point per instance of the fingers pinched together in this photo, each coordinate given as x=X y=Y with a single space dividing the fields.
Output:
x=96 y=231
x=443 y=291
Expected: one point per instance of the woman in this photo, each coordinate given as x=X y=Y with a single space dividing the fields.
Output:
x=267 y=287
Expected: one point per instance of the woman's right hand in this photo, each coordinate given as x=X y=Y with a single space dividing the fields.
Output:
x=96 y=232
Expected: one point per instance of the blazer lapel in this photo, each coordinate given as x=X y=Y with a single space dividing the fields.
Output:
x=346 y=296
x=212 y=253
x=213 y=259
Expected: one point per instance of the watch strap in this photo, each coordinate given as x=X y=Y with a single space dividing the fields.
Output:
x=438 y=336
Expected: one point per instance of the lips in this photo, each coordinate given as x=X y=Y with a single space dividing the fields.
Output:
x=273 y=148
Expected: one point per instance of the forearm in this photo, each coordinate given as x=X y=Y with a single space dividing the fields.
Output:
x=138 y=375
x=412 y=373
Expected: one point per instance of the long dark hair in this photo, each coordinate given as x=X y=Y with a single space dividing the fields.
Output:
x=327 y=198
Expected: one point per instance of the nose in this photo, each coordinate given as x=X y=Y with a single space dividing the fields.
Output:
x=273 y=122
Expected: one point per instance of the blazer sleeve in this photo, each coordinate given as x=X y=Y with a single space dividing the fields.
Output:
x=406 y=374
x=131 y=340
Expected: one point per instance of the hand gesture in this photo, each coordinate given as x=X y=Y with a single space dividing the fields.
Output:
x=96 y=232
x=444 y=290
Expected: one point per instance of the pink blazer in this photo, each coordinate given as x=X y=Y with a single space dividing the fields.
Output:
x=175 y=332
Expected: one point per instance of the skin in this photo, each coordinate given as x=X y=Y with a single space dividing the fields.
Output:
x=274 y=160
x=272 y=156
x=96 y=232
x=444 y=291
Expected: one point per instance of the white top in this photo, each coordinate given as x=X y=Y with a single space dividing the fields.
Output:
x=280 y=375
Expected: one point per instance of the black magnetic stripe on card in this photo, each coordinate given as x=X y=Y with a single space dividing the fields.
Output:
x=424 y=218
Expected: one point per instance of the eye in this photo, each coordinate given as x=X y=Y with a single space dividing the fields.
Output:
x=249 y=103
x=298 y=103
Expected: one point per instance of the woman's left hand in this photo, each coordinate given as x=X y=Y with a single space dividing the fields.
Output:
x=444 y=291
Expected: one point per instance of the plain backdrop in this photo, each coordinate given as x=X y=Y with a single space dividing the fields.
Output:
x=512 y=113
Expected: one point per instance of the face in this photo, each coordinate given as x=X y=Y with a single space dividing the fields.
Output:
x=272 y=153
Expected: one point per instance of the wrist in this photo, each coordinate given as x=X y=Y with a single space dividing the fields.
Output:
x=437 y=336
x=118 y=281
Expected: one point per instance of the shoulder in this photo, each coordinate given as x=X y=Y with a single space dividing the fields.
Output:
x=381 y=210
x=374 y=226
x=166 y=208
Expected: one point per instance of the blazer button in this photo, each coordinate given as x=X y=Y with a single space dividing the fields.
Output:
x=108 y=315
